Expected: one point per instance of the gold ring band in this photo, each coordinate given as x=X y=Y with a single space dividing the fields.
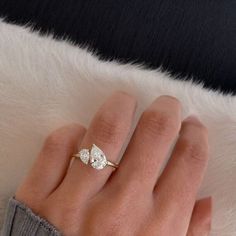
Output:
x=114 y=165
x=95 y=157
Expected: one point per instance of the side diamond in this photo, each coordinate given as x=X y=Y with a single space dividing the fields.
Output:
x=84 y=156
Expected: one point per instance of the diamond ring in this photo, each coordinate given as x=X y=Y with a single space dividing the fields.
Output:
x=95 y=157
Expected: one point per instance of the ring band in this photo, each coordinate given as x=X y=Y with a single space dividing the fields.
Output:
x=111 y=164
x=95 y=157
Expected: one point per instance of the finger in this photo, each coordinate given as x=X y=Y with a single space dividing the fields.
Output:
x=108 y=130
x=177 y=187
x=149 y=145
x=200 y=223
x=51 y=165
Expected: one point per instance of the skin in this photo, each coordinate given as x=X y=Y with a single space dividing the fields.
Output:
x=137 y=198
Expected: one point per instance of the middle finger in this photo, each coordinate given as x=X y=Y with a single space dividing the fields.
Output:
x=150 y=144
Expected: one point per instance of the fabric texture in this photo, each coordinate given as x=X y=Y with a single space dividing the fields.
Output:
x=45 y=84
x=21 y=220
x=192 y=39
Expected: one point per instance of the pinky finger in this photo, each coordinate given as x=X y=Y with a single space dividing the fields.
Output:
x=200 y=223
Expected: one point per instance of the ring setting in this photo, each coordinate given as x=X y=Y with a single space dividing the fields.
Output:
x=95 y=157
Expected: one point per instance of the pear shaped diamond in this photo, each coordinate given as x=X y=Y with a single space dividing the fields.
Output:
x=98 y=159
x=84 y=156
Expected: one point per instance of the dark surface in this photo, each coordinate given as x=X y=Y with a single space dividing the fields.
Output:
x=187 y=37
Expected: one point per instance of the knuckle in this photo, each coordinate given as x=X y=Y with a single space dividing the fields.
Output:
x=56 y=141
x=108 y=127
x=53 y=140
x=106 y=218
x=196 y=151
x=157 y=123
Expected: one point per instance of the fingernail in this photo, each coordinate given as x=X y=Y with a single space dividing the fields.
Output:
x=192 y=118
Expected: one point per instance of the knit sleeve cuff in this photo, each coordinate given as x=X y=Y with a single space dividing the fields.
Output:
x=21 y=220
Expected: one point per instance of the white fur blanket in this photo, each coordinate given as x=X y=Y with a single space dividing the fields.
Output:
x=46 y=83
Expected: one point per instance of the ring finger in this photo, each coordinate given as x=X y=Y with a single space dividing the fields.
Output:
x=108 y=130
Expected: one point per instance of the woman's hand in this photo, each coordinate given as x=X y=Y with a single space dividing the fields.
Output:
x=134 y=199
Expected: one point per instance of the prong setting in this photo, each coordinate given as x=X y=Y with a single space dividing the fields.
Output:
x=94 y=157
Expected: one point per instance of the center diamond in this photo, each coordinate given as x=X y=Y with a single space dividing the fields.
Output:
x=97 y=158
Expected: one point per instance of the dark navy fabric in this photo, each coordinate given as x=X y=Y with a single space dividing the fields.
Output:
x=190 y=38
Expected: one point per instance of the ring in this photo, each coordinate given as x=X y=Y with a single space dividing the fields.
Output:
x=95 y=157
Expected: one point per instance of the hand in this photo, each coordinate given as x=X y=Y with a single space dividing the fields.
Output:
x=133 y=199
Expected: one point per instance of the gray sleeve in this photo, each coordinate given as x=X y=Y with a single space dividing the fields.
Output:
x=22 y=221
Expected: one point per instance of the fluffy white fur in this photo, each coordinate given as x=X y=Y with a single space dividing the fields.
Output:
x=45 y=84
